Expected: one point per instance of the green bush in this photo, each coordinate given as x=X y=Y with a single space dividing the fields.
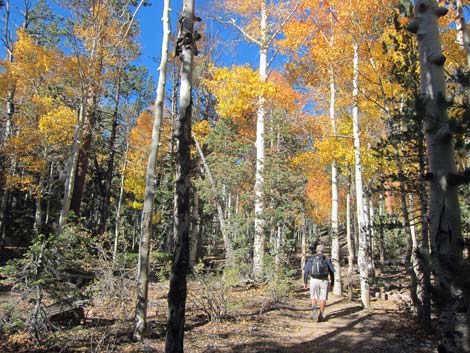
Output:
x=54 y=268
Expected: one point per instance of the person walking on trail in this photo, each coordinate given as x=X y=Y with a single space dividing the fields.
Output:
x=317 y=268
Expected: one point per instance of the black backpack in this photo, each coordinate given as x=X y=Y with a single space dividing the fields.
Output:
x=319 y=267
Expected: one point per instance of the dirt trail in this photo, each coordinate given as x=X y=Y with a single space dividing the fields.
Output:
x=253 y=327
x=288 y=329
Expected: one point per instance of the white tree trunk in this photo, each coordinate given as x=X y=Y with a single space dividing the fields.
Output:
x=350 y=245
x=337 y=288
x=445 y=226
x=463 y=38
x=259 y=236
x=146 y=229
x=362 y=257
x=303 y=246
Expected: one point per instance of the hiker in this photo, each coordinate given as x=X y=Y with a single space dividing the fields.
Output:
x=317 y=268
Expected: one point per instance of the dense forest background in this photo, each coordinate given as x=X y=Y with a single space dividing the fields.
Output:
x=347 y=126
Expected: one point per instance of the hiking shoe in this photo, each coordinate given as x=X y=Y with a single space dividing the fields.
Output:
x=315 y=314
x=321 y=318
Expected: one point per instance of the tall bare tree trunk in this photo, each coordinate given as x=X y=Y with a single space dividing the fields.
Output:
x=412 y=246
x=371 y=234
x=424 y=253
x=195 y=227
x=72 y=166
x=7 y=39
x=224 y=227
x=259 y=238
x=178 y=286
x=381 y=240
x=363 y=253
x=337 y=288
x=303 y=245
x=146 y=228
x=84 y=151
x=462 y=27
x=349 y=243
x=117 y=224
x=445 y=225
x=404 y=210
x=110 y=165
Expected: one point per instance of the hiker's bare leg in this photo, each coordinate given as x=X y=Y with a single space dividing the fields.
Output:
x=314 y=303
x=322 y=306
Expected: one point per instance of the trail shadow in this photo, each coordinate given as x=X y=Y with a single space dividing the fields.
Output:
x=319 y=345
x=343 y=312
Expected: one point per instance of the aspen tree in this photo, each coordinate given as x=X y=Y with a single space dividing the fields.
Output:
x=259 y=240
x=146 y=228
x=362 y=257
x=462 y=27
x=186 y=49
x=444 y=211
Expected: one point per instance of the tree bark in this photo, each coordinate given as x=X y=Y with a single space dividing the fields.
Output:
x=117 y=225
x=424 y=254
x=259 y=237
x=178 y=285
x=462 y=27
x=337 y=288
x=445 y=226
x=350 y=245
x=195 y=227
x=110 y=165
x=411 y=264
x=72 y=166
x=371 y=234
x=83 y=153
x=147 y=213
x=363 y=252
x=381 y=240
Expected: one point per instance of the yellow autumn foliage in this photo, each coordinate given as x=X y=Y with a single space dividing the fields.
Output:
x=237 y=90
x=201 y=129
x=58 y=126
x=32 y=61
x=139 y=144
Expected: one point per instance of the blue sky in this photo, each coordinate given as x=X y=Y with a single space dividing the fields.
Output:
x=151 y=35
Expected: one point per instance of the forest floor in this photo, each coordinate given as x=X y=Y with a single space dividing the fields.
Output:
x=254 y=323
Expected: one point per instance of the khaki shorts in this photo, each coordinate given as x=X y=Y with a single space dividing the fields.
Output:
x=318 y=289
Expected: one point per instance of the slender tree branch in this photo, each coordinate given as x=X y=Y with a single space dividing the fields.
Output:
x=281 y=26
x=241 y=30
x=131 y=22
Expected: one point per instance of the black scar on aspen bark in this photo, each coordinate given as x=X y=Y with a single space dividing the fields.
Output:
x=440 y=11
x=413 y=27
